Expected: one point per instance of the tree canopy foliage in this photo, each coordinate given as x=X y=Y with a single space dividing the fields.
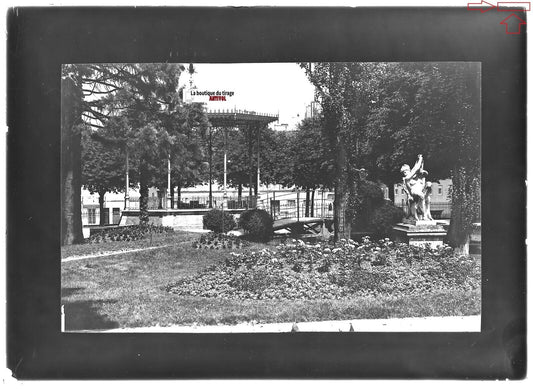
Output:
x=137 y=109
x=379 y=116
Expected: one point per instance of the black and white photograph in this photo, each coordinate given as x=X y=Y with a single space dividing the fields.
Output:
x=266 y=192
x=271 y=197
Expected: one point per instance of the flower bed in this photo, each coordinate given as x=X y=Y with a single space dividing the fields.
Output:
x=127 y=233
x=219 y=241
x=346 y=269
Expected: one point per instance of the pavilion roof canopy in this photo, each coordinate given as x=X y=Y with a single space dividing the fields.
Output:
x=238 y=117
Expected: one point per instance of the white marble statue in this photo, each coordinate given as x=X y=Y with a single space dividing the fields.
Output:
x=418 y=190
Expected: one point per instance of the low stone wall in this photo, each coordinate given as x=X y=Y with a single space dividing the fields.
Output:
x=178 y=219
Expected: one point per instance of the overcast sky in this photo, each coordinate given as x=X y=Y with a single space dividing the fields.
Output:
x=260 y=87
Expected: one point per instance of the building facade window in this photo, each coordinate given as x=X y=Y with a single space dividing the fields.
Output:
x=385 y=191
x=439 y=190
x=91 y=212
x=116 y=215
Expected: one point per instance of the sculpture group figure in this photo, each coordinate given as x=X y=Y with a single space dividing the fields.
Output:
x=418 y=190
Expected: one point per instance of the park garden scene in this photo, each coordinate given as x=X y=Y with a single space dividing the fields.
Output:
x=313 y=203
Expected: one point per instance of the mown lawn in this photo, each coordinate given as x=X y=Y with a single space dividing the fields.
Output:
x=128 y=290
x=148 y=241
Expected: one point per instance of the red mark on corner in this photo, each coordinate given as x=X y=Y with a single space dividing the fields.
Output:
x=483 y=6
x=514 y=6
x=513 y=20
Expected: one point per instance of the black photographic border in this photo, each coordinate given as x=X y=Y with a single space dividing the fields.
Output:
x=41 y=39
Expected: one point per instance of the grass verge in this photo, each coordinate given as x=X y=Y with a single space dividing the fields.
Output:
x=155 y=240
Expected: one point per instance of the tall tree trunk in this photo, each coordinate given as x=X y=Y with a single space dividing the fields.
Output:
x=179 y=194
x=71 y=99
x=101 y=198
x=313 y=203
x=143 y=191
x=341 y=223
x=332 y=128
x=463 y=248
x=307 y=197
x=465 y=208
x=239 y=195
x=171 y=196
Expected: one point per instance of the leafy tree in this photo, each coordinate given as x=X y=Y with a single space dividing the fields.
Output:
x=155 y=124
x=102 y=168
x=139 y=110
x=313 y=164
x=388 y=137
x=81 y=88
x=465 y=114
x=342 y=92
x=277 y=159
x=238 y=158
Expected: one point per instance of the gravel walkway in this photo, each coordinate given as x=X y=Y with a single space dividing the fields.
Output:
x=411 y=324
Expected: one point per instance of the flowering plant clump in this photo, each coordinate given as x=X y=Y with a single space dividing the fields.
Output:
x=345 y=269
x=219 y=241
x=126 y=233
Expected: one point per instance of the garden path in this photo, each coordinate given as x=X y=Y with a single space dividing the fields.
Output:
x=409 y=324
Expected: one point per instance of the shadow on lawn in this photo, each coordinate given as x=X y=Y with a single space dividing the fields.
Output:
x=84 y=315
x=67 y=292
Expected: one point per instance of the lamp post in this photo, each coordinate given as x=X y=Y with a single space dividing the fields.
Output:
x=225 y=197
x=127 y=189
x=210 y=167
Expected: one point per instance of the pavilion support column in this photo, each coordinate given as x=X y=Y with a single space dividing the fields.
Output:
x=251 y=163
x=210 y=167
x=257 y=193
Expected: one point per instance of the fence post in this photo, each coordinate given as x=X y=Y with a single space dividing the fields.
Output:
x=62 y=318
x=273 y=204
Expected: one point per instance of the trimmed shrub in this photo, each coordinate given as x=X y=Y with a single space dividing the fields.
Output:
x=258 y=224
x=383 y=219
x=218 y=221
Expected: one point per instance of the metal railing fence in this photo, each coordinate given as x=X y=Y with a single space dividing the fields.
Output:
x=197 y=202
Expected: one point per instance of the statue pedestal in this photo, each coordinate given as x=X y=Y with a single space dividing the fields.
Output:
x=420 y=233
